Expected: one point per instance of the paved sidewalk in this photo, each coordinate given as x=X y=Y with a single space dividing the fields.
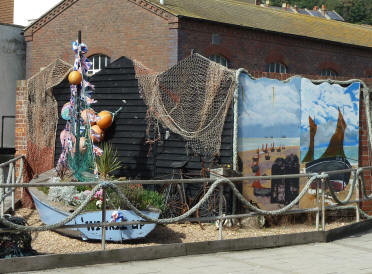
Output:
x=349 y=255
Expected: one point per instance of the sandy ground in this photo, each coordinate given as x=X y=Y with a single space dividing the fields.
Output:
x=49 y=242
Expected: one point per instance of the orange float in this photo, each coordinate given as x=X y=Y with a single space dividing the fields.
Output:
x=75 y=77
x=88 y=113
x=105 y=119
x=96 y=134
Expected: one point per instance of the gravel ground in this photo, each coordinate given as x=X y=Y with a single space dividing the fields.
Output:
x=49 y=242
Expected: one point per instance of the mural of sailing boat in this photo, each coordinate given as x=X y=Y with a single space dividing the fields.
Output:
x=323 y=155
x=269 y=107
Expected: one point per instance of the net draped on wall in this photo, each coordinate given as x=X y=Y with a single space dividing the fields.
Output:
x=42 y=109
x=191 y=99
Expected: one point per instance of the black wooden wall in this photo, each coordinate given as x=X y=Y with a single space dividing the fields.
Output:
x=116 y=83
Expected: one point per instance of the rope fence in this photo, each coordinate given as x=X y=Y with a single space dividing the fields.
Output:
x=219 y=183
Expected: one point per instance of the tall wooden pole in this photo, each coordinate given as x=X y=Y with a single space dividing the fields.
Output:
x=77 y=109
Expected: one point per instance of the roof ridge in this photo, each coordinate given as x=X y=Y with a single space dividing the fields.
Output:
x=290 y=13
x=58 y=8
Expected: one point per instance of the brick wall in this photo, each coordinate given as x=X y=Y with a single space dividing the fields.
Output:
x=254 y=50
x=6 y=11
x=139 y=31
x=21 y=130
x=20 y=142
x=115 y=28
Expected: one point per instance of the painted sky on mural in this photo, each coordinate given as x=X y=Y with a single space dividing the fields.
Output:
x=264 y=113
x=322 y=102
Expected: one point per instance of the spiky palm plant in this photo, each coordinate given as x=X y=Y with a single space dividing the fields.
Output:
x=108 y=162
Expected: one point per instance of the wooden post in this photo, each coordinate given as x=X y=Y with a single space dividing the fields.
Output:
x=323 y=204
x=357 y=214
x=12 y=179
x=103 y=219
x=77 y=109
x=2 y=191
x=220 y=212
x=317 y=206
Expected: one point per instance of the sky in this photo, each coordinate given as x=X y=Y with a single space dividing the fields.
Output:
x=25 y=10
x=269 y=108
x=321 y=102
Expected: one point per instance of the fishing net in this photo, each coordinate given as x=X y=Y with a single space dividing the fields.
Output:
x=42 y=110
x=78 y=149
x=191 y=99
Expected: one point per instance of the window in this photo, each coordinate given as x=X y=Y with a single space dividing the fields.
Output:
x=277 y=67
x=219 y=59
x=216 y=40
x=328 y=72
x=99 y=61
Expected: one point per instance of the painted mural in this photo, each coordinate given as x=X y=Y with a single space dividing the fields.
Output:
x=295 y=127
x=269 y=137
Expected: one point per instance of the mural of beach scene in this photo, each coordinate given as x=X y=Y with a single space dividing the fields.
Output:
x=269 y=138
x=330 y=129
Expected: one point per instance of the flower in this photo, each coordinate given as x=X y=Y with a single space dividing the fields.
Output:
x=99 y=194
x=76 y=198
x=87 y=192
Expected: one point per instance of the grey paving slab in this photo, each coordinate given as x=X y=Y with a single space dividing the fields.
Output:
x=349 y=255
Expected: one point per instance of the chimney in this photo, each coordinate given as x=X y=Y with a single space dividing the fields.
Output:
x=324 y=9
x=162 y=2
x=315 y=8
x=267 y=3
x=288 y=6
x=284 y=5
x=6 y=11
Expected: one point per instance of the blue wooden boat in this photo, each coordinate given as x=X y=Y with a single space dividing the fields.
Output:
x=51 y=213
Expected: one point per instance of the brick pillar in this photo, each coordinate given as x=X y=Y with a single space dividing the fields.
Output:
x=6 y=11
x=20 y=142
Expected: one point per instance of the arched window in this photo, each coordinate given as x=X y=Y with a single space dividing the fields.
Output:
x=328 y=72
x=219 y=59
x=277 y=67
x=99 y=61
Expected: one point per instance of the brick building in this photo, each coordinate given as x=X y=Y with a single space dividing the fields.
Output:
x=243 y=34
x=6 y=11
x=267 y=42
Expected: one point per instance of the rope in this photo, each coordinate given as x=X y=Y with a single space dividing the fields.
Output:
x=106 y=185
x=351 y=190
x=217 y=183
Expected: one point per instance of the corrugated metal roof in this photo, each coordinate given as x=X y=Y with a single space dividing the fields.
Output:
x=243 y=14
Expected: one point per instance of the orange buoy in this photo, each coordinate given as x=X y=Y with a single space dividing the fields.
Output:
x=88 y=114
x=104 y=119
x=96 y=134
x=75 y=77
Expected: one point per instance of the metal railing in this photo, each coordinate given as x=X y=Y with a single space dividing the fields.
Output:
x=9 y=180
x=321 y=181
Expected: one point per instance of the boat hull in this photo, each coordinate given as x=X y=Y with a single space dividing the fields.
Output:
x=50 y=215
x=338 y=181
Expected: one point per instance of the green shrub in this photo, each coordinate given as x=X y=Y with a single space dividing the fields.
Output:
x=108 y=162
x=139 y=197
